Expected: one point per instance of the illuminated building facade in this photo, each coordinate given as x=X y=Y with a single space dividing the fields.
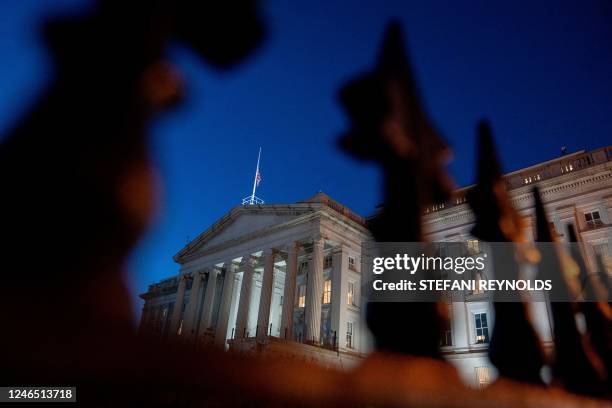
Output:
x=267 y=274
x=286 y=279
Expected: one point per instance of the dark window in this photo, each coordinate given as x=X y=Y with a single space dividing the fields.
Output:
x=593 y=219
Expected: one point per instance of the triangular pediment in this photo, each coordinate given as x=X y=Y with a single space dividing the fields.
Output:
x=244 y=221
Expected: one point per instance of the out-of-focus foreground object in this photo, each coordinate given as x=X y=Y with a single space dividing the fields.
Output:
x=389 y=126
x=515 y=348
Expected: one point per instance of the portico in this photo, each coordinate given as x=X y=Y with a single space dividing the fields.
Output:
x=270 y=271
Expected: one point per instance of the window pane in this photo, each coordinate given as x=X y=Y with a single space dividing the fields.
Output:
x=482 y=376
x=327 y=291
x=483 y=319
x=351 y=294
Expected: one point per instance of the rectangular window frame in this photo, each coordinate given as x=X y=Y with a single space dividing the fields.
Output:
x=601 y=249
x=483 y=376
x=352 y=263
x=481 y=328
x=327 y=291
x=301 y=298
x=327 y=262
x=350 y=331
x=350 y=295
x=593 y=219
x=473 y=246
x=446 y=336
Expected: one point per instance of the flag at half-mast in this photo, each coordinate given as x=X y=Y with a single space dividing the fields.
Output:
x=257 y=174
x=252 y=199
x=258 y=177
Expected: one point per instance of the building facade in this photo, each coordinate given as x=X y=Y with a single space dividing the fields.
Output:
x=287 y=278
x=266 y=273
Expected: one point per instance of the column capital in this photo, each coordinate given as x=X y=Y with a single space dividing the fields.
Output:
x=318 y=240
x=269 y=251
x=340 y=248
x=248 y=259
x=293 y=246
x=229 y=265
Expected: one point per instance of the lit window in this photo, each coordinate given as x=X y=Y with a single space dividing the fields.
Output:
x=483 y=376
x=302 y=296
x=349 y=334
x=180 y=328
x=531 y=179
x=472 y=246
x=327 y=291
x=351 y=294
x=482 y=328
x=593 y=219
x=351 y=263
x=327 y=262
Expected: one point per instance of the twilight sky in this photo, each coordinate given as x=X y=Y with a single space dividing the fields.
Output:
x=540 y=71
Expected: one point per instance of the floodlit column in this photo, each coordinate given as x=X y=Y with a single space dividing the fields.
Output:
x=339 y=295
x=209 y=300
x=189 y=322
x=460 y=326
x=178 y=305
x=314 y=293
x=263 y=318
x=289 y=295
x=245 y=296
x=226 y=303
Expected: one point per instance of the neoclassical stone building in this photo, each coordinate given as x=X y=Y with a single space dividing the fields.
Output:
x=287 y=278
x=576 y=189
x=265 y=273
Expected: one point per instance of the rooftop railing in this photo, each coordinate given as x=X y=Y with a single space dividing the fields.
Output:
x=560 y=166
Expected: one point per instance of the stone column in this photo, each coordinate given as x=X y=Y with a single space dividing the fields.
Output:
x=314 y=293
x=339 y=297
x=191 y=311
x=178 y=306
x=209 y=300
x=263 y=317
x=289 y=295
x=226 y=303
x=459 y=325
x=245 y=296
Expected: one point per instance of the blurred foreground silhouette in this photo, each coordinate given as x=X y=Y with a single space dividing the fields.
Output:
x=76 y=174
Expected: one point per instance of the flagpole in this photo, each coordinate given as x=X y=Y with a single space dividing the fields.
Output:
x=255 y=179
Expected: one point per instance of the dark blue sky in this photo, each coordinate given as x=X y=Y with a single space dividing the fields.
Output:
x=540 y=71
